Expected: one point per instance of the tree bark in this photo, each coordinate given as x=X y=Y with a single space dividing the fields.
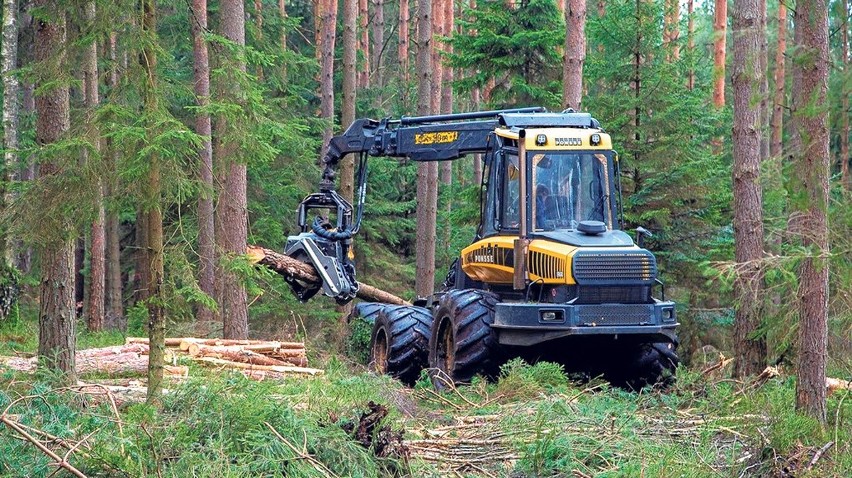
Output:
x=575 y=54
x=404 y=33
x=427 y=172
x=364 y=43
x=287 y=266
x=153 y=191
x=746 y=77
x=378 y=24
x=720 y=25
x=206 y=230
x=447 y=92
x=10 y=106
x=350 y=44
x=780 y=83
x=809 y=204
x=232 y=210
x=114 y=302
x=329 y=23
x=690 y=44
x=763 y=87
x=436 y=47
x=97 y=251
x=57 y=317
x=282 y=39
x=844 y=101
x=258 y=23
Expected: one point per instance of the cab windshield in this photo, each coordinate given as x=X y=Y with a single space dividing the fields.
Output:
x=569 y=188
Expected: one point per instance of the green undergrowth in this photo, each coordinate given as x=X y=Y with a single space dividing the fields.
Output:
x=532 y=422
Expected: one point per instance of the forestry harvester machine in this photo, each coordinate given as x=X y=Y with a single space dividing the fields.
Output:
x=549 y=274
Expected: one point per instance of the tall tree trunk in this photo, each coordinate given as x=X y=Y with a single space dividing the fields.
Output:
x=363 y=43
x=671 y=29
x=746 y=76
x=378 y=24
x=97 y=252
x=154 y=245
x=780 y=84
x=436 y=47
x=282 y=40
x=329 y=24
x=809 y=204
x=114 y=303
x=720 y=25
x=690 y=44
x=350 y=44
x=206 y=230
x=448 y=18
x=427 y=172
x=141 y=272
x=232 y=210
x=57 y=317
x=575 y=54
x=10 y=108
x=763 y=91
x=258 y=23
x=844 y=132
x=404 y=33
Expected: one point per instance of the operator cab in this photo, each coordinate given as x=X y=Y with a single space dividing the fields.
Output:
x=571 y=179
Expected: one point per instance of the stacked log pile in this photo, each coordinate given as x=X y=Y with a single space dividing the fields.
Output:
x=256 y=359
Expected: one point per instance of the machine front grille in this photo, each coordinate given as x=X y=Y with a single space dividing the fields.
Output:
x=622 y=315
x=638 y=294
x=614 y=267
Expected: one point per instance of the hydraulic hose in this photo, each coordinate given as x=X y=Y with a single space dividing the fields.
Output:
x=319 y=230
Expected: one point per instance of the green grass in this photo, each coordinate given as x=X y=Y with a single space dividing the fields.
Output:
x=532 y=422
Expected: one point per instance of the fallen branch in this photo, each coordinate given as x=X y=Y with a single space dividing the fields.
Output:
x=289 y=267
x=60 y=462
x=819 y=454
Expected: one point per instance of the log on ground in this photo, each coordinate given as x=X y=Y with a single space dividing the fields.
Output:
x=236 y=353
x=289 y=267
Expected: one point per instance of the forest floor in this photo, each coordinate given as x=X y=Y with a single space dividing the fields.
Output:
x=532 y=421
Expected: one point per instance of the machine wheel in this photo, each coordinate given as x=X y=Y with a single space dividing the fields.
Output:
x=645 y=364
x=367 y=311
x=399 y=345
x=463 y=343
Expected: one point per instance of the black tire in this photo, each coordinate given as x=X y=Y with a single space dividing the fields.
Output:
x=462 y=343
x=644 y=365
x=399 y=345
x=367 y=311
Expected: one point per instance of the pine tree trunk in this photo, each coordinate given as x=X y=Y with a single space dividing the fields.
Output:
x=57 y=317
x=350 y=22
x=258 y=23
x=282 y=39
x=329 y=24
x=378 y=24
x=436 y=47
x=404 y=33
x=232 y=213
x=206 y=231
x=97 y=251
x=141 y=272
x=575 y=54
x=845 y=179
x=808 y=217
x=154 y=243
x=10 y=108
x=363 y=43
x=763 y=91
x=720 y=25
x=690 y=44
x=746 y=77
x=114 y=302
x=427 y=172
x=446 y=167
x=775 y=144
